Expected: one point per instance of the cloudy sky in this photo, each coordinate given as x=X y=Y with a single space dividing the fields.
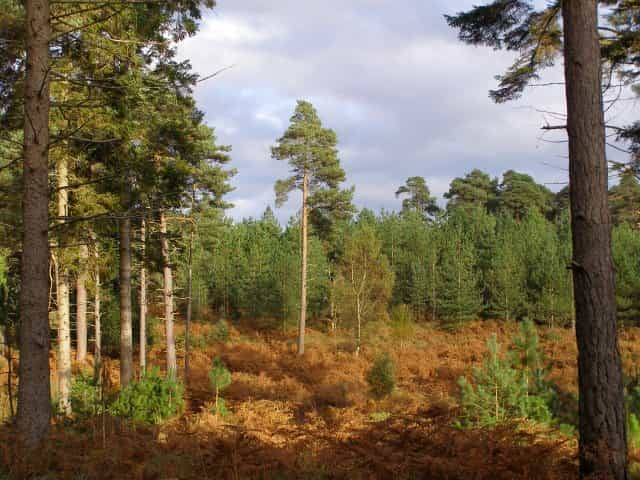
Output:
x=403 y=94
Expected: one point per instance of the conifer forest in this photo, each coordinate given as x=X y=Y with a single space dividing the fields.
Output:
x=414 y=296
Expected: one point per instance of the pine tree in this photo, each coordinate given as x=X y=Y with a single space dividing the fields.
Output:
x=459 y=296
x=419 y=197
x=475 y=189
x=539 y=37
x=506 y=281
x=311 y=152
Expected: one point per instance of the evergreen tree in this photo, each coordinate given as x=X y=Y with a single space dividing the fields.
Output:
x=311 y=152
x=539 y=36
x=475 y=189
x=459 y=296
x=506 y=281
x=519 y=193
x=419 y=197
x=624 y=200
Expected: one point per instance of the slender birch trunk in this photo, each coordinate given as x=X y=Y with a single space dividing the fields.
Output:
x=168 y=298
x=63 y=360
x=143 y=298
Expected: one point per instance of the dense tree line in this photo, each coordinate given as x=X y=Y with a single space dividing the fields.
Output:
x=477 y=258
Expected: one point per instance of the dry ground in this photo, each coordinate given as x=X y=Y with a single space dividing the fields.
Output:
x=312 y=418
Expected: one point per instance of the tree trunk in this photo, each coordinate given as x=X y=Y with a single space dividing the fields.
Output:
x=303 y=264
x=187 y=332
x=97 y=352
x=126 y=335
x=602 y=447
x=143 y=298
x=168 y=298
x=63 y=360
x=81 y=305
x=34 y=391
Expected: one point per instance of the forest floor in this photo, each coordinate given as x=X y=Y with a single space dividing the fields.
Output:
x=312 y=417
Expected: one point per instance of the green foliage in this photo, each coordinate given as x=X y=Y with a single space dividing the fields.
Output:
x=626 y=256
x=220 y=408
x=150 y=400
x=419 y=198
x=220 y=378
x=220 y=332
x=381 y=377
x=402 y=323
x=365 y=281
x=499 y=393
x=219 y=375
x=85 y=396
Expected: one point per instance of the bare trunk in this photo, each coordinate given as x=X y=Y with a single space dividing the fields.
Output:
x=97 y=352
x=126 y=335
x=143 y=298
x=359 y=318
x=602 y=447
x=81 y=305
x=63 y=360
x=34 y=390
x=187 y=333
x=303 y=265
x=168 y=298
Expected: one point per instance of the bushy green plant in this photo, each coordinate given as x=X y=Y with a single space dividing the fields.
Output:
x=499 y=393
x=402 y=323
x=381 y=378
x=220 y=332
x=151 y=400
x=632 y=404
x=85 y=396
x=220 y=378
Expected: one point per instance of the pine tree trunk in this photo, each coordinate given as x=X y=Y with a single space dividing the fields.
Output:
x=143 y=298
x=303 y=265
x=602 y=447
x=81 y=305
x=168 y=298
x=34 y=389
x=97 y=346
x=187 y=333
x=63 y=360
x=126 y=334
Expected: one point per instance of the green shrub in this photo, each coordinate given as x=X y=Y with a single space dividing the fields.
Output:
x=220 y=332
x=151 y=400
x=220 y=378
x=85 y=396
x=381 y=377
x=499 y=393
x=632 y=403
x=402 y=323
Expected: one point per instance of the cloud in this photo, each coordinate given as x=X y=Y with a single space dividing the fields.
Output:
x=403 y=94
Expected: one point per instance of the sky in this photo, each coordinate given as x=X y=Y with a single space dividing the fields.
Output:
x=404 y=96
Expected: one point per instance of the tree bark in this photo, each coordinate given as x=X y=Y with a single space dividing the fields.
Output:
x=187 y=332
x=81 y=305
x=126 y=335
x=63 y=360
x=34 y=390
x=303 y=264
x=143 y=298
x=168 y=298
x=602 y=446
x=97 y=346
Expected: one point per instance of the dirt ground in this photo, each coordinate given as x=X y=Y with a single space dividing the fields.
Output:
x=312 y=417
